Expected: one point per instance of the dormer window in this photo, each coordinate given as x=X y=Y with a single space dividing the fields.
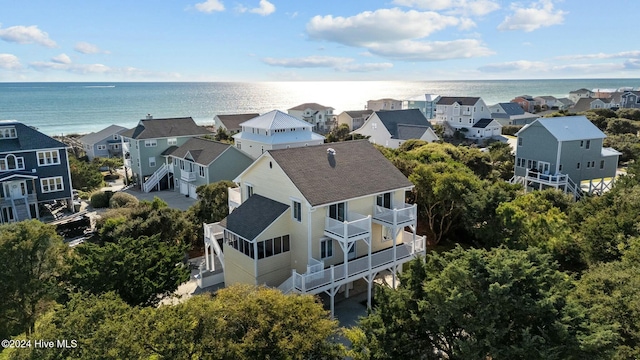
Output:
x=8 y=132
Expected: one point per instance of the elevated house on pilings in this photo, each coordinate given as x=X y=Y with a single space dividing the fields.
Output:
x=314 y=220
x=565 y=153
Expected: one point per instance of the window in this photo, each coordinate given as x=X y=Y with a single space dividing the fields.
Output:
x=46 y=158
x=581 y=143
x=519 y=141
x=116 y=146
x=115 y=136
x=374 y=126
x=238 y=145
x=201 y=171
x=101 y=147
x=51 y=184
x=384 y=200
x=271 y=247
x=152 y=161
x=151 y=143
x=11 y=162
x=588 y=144
x=172 y=141
x=337 y=211
x=8 y=133
x=326 y=248
x=249 y=190
x=560 y=167
x=601 y=164
x=588 y=164
x=578 y=166
x=297 y=211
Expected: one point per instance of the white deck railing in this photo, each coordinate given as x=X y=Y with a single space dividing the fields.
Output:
x=235 y=198
x=399 y=216
x=557 y=179
x=188 y=176
x=212 y=232
x=154 y=179
x=335 y=275
x=355 y=227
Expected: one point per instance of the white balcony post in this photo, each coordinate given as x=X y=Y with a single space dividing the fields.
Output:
x=332 y=292
x=370 y=278
x=346 y=268
x=395 y=236
x=206 y=254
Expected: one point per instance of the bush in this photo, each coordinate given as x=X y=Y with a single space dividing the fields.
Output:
x=510 y=129
x=122 y=199
x=100 y=199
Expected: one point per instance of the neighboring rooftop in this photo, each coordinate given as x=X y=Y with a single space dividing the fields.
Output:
x=462 y=100
x=391 y=120
x=233 y=121
x=312 y=106
x=276 y=119
x=482 y=123
x=163 y=128
x=356 y=169
x=202 y=151
x=28 y=138
x=95 y=137
x=407 y=132
x=261 y=212
x=569 y=128
x=359 y=113
x=511 y=108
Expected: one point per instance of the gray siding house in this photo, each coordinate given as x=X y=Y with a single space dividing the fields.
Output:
x=200 y=162
x=565 y=153
x=145 y=146
x=104 y=143
x=34 y=169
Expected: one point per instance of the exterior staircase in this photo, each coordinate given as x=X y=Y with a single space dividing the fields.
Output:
x=154 y=179
x=559 y=181
x=20 y=209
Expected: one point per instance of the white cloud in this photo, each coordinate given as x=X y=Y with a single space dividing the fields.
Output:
x=539 y=14
x=619 y=55
x=100 y=69
x=87 y=48
x=632 y=64
x=380 y=26
x=548 y=69
x=336 y=63
x=9 y=62
x=515 y=66
x=464 y=7
x=61 y=59
x=265 y=8
x=210 y=6
x=410 y=50
x=27 y=35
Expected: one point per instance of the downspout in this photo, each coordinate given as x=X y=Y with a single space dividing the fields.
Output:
x=309 y=233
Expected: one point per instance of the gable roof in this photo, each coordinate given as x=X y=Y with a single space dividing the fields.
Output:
x=253 y=216
x=233 y=121
x=568 y=128
x=358 y=113
x=482 y=123
x=391 y=119
x=202 y=151
x=462 y=100
x=28 y=138
x=357 y=169
x=511 y=108
x=276 y=119
x=584 y=104
x=95 y=137
x=163 y=128
x=407 y=132
x=580 y=91
x=312 y=106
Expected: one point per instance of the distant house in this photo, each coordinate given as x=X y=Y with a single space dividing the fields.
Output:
x=274 y=130
x=384 y=104
x=546 y=102
x=564 y=103
x=200 y=162
x=585 y=104
x=564 y=152
x=511 y=114
x=425 y=103
x=392 y=128
x=462 y=113
x=630 y=99
x=104 y=143
x=576 y=95
x=315 y=220
x=354 y=118
x=319 y=116
x=526 y=102
x=231 y=123
x=145 y=146
x=34 y=169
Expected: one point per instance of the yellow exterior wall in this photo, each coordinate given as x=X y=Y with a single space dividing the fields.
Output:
x=238 y=268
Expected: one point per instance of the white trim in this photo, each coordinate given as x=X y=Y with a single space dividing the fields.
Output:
x=49 y=181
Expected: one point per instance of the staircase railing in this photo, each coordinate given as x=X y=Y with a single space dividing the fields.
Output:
x=155 y=178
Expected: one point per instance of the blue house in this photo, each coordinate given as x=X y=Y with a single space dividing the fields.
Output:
x=104 y=143
x=34 y=169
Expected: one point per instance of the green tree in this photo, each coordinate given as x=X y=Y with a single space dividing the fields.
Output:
x=32 y=260
x=85 y=176
x=222 y=135
x=140 y=270
x=475 y=304
x=501 y=160
x=212 y=206
x=111 y=163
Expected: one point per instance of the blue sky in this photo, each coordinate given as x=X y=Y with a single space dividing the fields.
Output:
x=272 y=40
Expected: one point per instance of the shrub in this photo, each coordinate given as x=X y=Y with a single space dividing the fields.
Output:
x=122 y=199
x=100 y=199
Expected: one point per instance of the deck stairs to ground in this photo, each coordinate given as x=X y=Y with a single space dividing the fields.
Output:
x=155 y=178
x=20 y=209
x=568 y=185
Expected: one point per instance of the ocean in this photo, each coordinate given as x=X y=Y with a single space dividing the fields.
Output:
x=66 y=108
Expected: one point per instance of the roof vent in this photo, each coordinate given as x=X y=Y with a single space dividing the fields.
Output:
x=149 y=117
x=331 y=151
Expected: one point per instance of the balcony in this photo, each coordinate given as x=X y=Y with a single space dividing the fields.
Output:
x=235 y=198
x=188 y=176
x=317 y=282
x=404 y=216
x=127 y=163
x=355 y=227
x=31 y=198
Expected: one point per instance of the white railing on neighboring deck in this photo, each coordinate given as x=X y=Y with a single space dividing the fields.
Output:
x=354 y=227
x=335 y=275
x=399 y=216
x=188 y=176
x=234 y=198
x=154 y=179
x=212 y=232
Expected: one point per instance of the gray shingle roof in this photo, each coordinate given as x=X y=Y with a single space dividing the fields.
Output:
x=450 y=100
x=28 y=138
x=512 y=108
x=359 y=113
x=406 y=132
x=391 y=119
x=312 y=106
x=232 y=121
x=253 y=216
x=98 y=136
x=163 y=128
x=357 y=169
x=202 y=151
